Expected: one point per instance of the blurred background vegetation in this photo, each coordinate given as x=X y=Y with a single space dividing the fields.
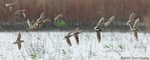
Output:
x=77 y=13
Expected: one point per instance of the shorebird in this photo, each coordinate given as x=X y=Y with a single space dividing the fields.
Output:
x=38 y=24
x=57 y=18
x=133 y=25
x=20 y=12
x=32 y=27
x=18 y=41
x=76 y=33
x=10 y=6
x=98 y=28
x=39 y=20
x=109 y=21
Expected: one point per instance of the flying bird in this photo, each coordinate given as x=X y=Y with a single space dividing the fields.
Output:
x=40 y=19
x=109 y=21
x=38 y=24
x=32 y=27
x=98 y=28
x=68 y=38
x=10 y=6
x=18 y=41
x=132 y=22
x=74 y=33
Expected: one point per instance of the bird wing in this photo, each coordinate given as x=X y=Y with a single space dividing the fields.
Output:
x=73 y=31
x=29 y=23
x=98 y=36
x=19 y=37
x=70 y=33
x=24 y=15
x=77 y=30
x=136 y=23
x=8 y=5
x=19 y=45
x=109 y=21
x=131 y=17
x=135 y=35
x=41 y=17
x=68 y=41
x=101 y=21
x=12 y=4
x=76 y=38
x=36 y=23
x=96 y=27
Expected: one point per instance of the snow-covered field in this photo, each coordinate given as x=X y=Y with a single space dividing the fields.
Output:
x=53 y=46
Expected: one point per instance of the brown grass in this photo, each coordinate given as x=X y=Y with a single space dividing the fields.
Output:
x=77 y=10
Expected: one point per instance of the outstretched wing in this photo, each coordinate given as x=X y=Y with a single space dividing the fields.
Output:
x=29 y=23
x=41 y=17
x=73 y=31
x=135 y=35
x=136 y=23
x=101 y=21
x=77 y=30
x=36 y=24
x=19 y=37
x=68 y=41
x=110 y=20
x=19 y=45
x=131 y=18
x=24 y=15
x=98 y=36
x=8 y=5
x=70 y=33
x=76 y=38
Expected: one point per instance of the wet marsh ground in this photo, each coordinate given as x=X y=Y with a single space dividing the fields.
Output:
x=53 y=46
